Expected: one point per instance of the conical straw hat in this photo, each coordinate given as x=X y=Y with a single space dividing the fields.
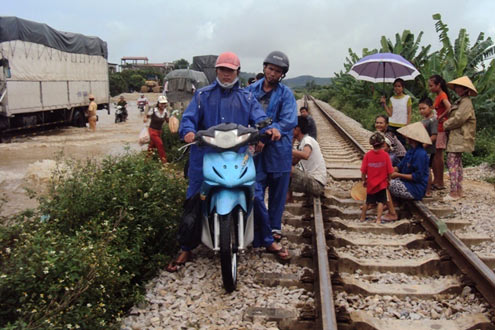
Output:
x=466 y=82
x=416 y=132
x=358 y=191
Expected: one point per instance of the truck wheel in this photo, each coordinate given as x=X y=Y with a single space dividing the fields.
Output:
x=228 y=252
x=79 y=120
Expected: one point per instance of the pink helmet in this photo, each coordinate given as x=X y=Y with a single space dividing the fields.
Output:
x=228 y=60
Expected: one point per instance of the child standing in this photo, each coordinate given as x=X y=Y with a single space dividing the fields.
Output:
x=399 y=108
x=375 y=174
x=442 y=105
x=431 y=125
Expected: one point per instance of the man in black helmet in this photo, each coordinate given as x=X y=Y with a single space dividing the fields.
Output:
x=274 y=164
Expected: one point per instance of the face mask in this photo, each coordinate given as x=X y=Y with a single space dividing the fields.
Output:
x=229 y=85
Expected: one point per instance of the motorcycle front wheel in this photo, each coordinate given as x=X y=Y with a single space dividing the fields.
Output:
x=228 y=251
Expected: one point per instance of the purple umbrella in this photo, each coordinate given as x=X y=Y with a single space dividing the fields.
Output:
x=383 y=67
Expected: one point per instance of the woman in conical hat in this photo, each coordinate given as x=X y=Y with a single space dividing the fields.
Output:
x=461 y=127
x=410 y=177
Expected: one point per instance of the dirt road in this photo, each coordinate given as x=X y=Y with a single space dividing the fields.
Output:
x=27 y=161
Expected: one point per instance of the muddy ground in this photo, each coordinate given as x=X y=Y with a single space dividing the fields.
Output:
x=27 y=161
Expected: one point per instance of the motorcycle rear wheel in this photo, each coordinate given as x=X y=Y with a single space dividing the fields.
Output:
x=228 y=251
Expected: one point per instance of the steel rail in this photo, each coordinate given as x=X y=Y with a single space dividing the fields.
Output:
x=327 y=307
x=326 y=315
x=339 y=128
x=464 y=258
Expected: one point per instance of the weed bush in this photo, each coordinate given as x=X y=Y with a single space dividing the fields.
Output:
x=484 y=151
x=81 y=260
x=171 y=143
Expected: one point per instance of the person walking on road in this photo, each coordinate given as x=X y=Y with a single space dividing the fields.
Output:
x=158 y=116
x=91 y=113
x=273 y=165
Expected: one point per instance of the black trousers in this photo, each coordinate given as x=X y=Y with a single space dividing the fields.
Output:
x=189 y=235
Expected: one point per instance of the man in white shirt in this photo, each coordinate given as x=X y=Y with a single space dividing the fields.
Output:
x=309 y=174
x=142 y=102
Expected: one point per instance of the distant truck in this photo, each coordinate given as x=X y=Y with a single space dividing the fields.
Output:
x=46 y=75
x=181 y=85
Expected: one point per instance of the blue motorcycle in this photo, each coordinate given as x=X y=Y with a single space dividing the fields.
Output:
x=227 y=193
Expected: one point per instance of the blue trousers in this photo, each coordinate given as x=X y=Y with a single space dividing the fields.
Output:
x=268 y=220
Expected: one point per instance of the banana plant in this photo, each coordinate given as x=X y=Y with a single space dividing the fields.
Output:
x=459 y=59
x=453 y=60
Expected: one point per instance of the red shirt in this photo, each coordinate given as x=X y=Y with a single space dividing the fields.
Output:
x=377 y=166
x=440 y=107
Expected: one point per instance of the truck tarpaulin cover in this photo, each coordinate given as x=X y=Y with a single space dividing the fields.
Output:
x=36 y=52
x=206 y=64
x=182 y=80
x=14 y=28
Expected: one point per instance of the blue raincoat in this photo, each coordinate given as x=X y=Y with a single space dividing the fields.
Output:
x=415 y=162
x=210 y=106
x=277 y=155
x=274 y=164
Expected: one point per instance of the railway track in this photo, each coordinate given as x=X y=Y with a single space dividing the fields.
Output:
x=343 y=275
x=411 y=274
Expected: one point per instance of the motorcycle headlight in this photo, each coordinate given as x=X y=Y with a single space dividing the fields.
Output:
x=226 y=140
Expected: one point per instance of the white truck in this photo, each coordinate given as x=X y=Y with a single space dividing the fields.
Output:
x=46 y=75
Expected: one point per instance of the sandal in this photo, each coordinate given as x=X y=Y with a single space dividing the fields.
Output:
x=450 y=198
x=277 y=237
x=174 y=266
x=389 y=218
x=282 y=254
x=435 y=187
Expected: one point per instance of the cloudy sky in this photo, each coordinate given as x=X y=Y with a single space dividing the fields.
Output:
x=315 y=34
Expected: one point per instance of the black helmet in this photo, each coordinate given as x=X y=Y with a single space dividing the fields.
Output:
x=279 y=59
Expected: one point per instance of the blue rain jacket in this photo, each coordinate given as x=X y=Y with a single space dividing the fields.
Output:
x=210 y=106
x=282 y=109
x=415 y=162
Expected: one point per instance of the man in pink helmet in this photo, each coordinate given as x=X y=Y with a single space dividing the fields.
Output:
x=221 y=102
